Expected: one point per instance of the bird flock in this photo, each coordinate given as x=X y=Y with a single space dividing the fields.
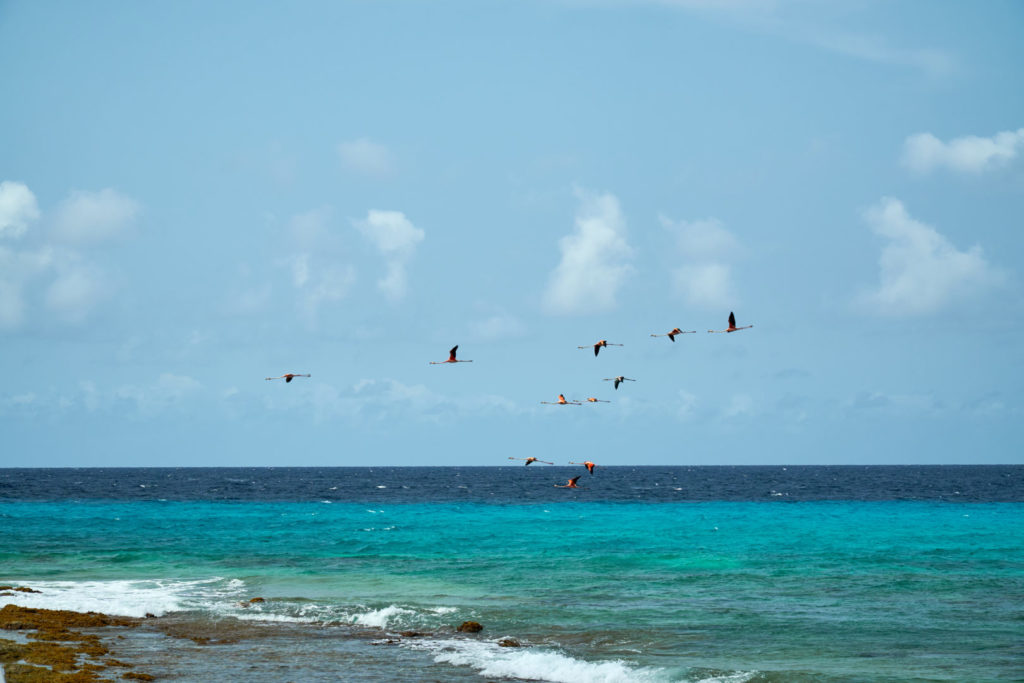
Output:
x=562 y=401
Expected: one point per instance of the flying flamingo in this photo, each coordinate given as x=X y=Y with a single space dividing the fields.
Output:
x=451 y=358
x=618 y=380
x=597 y=346
x=562 y=402
x=288 y=377
x=732 y=325
x=672 y=335
x=586 y=463
x=531 y=459
x=596 y=400
x=570 y=485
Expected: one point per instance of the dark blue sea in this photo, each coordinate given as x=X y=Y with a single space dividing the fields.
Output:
x=641 y=574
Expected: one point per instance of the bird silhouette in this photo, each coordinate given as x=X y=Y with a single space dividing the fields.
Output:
x=598 y=345
x=562 y=402
x=732 y=325
x=672 y=335
x=531 y=459
x=288 y=377
x=451 y=358
x=619 y=380
x=586 y=463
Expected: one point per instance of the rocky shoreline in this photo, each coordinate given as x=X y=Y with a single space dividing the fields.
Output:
x=51 y=646
x=64 y=646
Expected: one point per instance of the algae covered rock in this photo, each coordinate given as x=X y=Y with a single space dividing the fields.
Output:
x=470 y=627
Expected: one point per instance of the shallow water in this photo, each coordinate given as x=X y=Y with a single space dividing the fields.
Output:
x=642 y=575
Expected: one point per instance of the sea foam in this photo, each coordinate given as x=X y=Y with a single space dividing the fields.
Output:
x=126 y=598
x=492 y=660
x=381 y=618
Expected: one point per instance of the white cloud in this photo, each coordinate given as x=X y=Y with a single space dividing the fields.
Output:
x=394 y=283
x=57 y=274
x=924 y=152
x=390 y=231
x=18 y=208
x=317 y=274
x=79 y=286
x=921 y=272
x=396 y=238
x=319 y=284
x=90 y=217
x=366 y=157
x=300 y=269
x=705 y=250
x=20 y=271
x=740 y=405
x=595 y=257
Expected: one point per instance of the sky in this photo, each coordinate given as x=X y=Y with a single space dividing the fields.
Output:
x=196 y=196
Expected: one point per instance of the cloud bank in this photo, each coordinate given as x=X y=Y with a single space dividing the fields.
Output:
x=53 y=274
x=595 y=259
x=921 y=272
x=924 y=152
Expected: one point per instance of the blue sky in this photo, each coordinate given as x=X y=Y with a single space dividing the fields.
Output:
x=195 y=196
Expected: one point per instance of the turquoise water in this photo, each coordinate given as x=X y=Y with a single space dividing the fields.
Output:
x=601 y=591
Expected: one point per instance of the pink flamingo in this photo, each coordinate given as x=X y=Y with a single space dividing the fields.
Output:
x=288 y=377
x=562 y=402
x=451 y=358
x=597 y=346
x=732 y=325
x=586 y=463
x=672 y=335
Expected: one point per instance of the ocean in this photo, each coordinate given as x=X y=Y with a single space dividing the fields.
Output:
x=642 y=574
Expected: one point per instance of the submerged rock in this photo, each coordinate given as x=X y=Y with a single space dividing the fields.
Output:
x=253 y=601
x=470 y=627
x=509 y=642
